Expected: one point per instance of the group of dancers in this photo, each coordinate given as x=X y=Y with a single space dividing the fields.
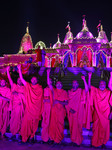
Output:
x=24 y=104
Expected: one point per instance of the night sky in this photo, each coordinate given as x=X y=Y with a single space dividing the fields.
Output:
x=48 y=18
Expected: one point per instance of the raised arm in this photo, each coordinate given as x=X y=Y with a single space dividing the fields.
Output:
x=85 y=83
x=4 y=98
x=89 y=80
x=110 y=82
x=48 y=80
x=21 y=76
x=9 y=76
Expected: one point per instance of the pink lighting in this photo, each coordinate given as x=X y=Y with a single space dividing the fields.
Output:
x=26 y=44
x=69 y=35
x=83 y=48
x=84 y=35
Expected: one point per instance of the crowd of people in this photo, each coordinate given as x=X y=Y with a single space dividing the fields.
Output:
x=24 y=104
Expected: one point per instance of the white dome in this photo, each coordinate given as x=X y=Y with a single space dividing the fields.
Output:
x=102 y=38
x=84 y=34
x=57 y=44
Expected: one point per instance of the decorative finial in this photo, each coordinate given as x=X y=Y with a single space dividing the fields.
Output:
x=69 y=23
x=58 y=37
x=101 y=28
x=98 y=26
x=68 y=26
x=83 y=24
x=27 y=28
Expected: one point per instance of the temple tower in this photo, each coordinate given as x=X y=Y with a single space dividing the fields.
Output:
x=26 y=42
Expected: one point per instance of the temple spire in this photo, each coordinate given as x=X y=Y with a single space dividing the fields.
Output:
x=58 y=38
x=27 y=28
x=68 y=26
x=58 y=43
x=102 y=37
x=101 y=28
x=84 y=24
x=98 y=26
x=26 y=42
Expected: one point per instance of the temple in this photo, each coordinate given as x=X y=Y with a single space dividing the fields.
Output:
x=26 y=42
x=80 y=50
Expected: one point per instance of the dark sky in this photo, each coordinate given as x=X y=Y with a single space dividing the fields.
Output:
x=48 y=18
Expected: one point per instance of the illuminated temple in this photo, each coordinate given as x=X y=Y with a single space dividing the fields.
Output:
x=80 y=50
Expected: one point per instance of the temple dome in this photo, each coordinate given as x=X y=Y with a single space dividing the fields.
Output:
x=57 y=44
x=41 y=44
x=102 y=38
x=84 y=33
x=68 y=38
x=26 y=42
x=69 y=35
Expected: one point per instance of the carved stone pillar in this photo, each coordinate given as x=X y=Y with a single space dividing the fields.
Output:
x=108 y=62
x=49 y=61
x=94 y=59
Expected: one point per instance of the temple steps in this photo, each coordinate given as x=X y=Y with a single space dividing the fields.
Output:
x=87 y=135
x=69 y=77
